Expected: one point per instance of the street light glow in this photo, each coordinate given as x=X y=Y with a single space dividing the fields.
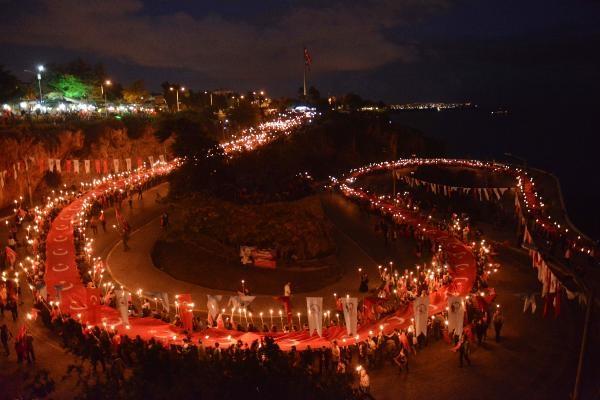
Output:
x=41 y=68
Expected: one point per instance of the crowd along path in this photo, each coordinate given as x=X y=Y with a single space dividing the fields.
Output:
x=77 y=300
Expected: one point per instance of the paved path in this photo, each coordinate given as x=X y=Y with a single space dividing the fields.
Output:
x=536 y=359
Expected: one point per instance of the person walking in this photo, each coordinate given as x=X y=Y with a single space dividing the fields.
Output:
x=364 y=283
x=164 y=221
x=29 y=353
x=364 y=383
x=12 y=306
x=464 y=351
x=125 y=235
x=102 y=219
x=498 y=321
x=5 y=336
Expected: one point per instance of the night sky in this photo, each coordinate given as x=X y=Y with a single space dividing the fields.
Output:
x=491 y=52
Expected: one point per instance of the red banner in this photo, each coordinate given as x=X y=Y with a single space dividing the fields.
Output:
x=185 y=310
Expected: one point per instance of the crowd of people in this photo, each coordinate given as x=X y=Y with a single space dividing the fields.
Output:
x=114 y=351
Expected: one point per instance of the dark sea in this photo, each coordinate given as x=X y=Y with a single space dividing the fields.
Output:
x=561 y=141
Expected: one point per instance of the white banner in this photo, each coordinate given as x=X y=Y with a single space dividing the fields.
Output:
x=76 y=166
x=421 y=310
x=122 y=305
x=57 y=166
x=51 y=164
x=161 y=158
x=212 y=304
x=128 y=162
x=87 y=166
x=116 y=165
x=456 y=315
x=350 y=305
x=314 y=306
x=151 y=158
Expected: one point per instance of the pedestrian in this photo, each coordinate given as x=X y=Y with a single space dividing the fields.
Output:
x=93 y=225
x=401 y=360
x=20 y=350
x=464 y=351
x=29 y=353
x=498 y=321
x=125 y=230
x=164 y=221
x=364 y=383
x=102 y=219
x=364 y=283
x=12 y=306
x=5 y=336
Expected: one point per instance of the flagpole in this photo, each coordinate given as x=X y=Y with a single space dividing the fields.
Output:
x=305 y=80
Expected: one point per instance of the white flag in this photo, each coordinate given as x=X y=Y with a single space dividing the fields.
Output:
x=57 y=165
x=2 y=175
x=151 y=158
x=456 y=314
x=314 y=307
x=128 y=162
x=87 y=166
x=122 y=305
x=212 y=304
x=421 y=310
x=116 y=164
x=161 y=158
x=51 y=164
x=76 y=166
x=350 y=305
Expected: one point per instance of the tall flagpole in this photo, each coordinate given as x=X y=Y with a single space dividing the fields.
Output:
x=305 y=79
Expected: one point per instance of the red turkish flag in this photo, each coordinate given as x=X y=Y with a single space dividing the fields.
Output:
x=93 y=296
x=97 y=165
x=140 y=163
x=105 y=163
x=68 y=167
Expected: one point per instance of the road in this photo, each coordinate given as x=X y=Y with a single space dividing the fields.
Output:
x=535 y=360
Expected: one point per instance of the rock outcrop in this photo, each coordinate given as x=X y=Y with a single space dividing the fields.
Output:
x=26 y=150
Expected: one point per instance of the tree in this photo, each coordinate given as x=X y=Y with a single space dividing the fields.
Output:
x=9 y=85
x=70 y=86
x=136 y=92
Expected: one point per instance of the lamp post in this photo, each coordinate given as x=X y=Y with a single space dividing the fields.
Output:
x=40 y=69
x=177 y=94
x=211 y=100
x=107 y=83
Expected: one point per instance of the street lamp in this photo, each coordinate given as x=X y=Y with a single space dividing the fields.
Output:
x=40 y=69
x=107 y=83
x=177 y=94
x=211 y=101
